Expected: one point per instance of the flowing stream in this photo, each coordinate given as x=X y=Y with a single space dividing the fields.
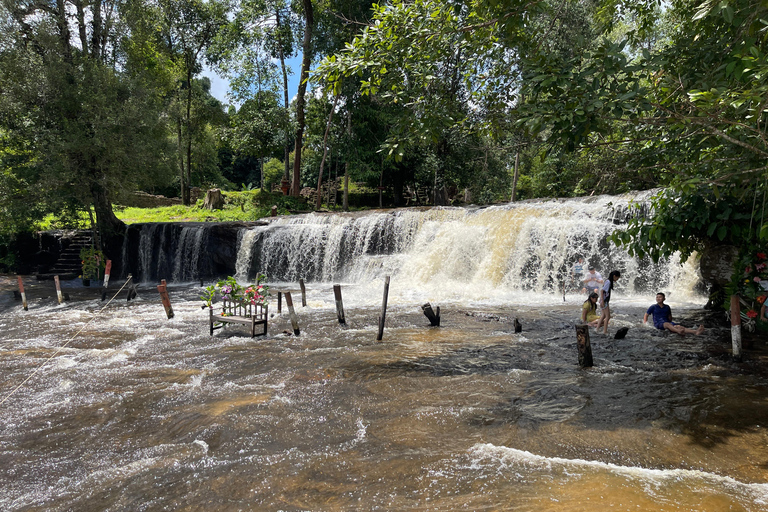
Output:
x=139 y=412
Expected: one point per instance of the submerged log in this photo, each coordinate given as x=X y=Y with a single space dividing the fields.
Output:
x=585 y=349
x=434 y=317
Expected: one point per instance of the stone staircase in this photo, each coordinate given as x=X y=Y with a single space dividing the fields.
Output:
x=68 y=266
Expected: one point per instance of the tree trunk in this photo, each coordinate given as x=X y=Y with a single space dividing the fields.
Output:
x=305 y=63
x=111 y=228
x=346 y=164
x=325 y=153
x=516 y=176
x=185 y=192
x=287 y=144
x=180 y=143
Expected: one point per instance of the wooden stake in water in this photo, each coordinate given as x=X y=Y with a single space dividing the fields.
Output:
x=279 y=302
x=107 y=270
x=23 y=295
x=292 y=312
x=736 y=327
x=434 y=318
x=163 y=289
x=303 y=293
x=58 y=289
x=339 y=304
x=383 y=315
x=585 y=348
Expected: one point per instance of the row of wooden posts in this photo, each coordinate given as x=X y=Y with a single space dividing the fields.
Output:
x=582 y=331
x=162 y=288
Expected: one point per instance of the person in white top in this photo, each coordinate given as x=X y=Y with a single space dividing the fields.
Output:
x=593 y=280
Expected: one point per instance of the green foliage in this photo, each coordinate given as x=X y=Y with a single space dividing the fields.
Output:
x=273 y=173
x=93 y=262
x=688 y=221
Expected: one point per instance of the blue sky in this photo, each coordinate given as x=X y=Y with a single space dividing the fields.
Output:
x=220 y=86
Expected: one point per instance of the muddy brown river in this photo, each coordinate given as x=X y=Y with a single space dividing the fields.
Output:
x=142 y=413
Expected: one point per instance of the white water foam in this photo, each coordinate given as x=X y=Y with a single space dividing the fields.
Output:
x=519 y=464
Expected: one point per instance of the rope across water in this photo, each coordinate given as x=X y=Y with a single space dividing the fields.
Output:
x=65 y=345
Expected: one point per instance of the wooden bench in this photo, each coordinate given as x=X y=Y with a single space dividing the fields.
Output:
x=236 y=313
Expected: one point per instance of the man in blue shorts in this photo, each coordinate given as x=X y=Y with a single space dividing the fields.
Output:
x=662 y=318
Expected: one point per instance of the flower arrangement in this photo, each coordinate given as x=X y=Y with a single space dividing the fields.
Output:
x=230 y=289
x=92 y=261
x=750 y=282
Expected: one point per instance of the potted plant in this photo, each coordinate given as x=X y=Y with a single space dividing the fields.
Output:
x=92 y=261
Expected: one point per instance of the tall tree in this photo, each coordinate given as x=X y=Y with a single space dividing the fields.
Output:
x=188 y=29
x=87 y=122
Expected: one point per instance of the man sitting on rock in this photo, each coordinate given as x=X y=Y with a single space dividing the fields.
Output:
x=662 y=318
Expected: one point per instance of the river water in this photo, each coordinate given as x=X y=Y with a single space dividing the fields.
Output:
x=140 y=412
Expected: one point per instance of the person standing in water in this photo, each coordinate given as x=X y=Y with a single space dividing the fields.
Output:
x=662 y=318
x=605 y=299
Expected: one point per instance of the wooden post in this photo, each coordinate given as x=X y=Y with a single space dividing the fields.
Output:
x=736 y=327
x=383 y=315
x=58 y=289
x=162 y=288
x=23 y=295
x=585 y=349
x=303 y=293
x=339 y=304
x=279 y=302
x=131 y=288
x=294 y=318
x=434 y=319
x=107 y=270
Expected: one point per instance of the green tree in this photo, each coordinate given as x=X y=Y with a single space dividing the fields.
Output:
x=81 y=122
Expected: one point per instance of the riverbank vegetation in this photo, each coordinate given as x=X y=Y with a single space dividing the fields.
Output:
x=420 y=101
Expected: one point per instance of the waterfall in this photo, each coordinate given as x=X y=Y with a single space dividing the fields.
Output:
x=187 y=260
x=477 y=253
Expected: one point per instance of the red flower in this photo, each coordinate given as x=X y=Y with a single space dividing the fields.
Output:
x=752 y=313
x=761 y=299
x=761 y=255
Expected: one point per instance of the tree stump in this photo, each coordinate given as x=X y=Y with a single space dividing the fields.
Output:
x=434 y=318
x=585 y=348
x=214 y=199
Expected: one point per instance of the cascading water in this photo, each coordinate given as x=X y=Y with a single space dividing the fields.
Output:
x=187 y=261
x=498 y=252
